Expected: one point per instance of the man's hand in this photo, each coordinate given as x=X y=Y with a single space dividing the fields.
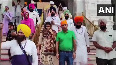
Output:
x=108 y=49
x=88 y=49
x=57 y=56
x=74 y=55
x=51 y=31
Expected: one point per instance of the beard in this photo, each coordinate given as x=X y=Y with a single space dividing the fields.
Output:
x=20 y=39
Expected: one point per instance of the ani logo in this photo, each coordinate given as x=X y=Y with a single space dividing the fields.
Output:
x=105 y=10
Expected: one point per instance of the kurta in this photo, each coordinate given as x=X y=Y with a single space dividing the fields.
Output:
x=82 y=40
x=56 y=21
x=7 y=18
x=34 y=15
x=17 y=53
x=13 y=13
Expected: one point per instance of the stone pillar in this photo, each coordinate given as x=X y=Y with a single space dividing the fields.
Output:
x=78 y=7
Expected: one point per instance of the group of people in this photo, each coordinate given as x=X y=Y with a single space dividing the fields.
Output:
x=20 y=15
x=61 y=36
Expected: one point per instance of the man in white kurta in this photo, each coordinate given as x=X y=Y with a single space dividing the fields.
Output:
x=34 y=15
x=13 y=12
x=82 y=40
x=55 y=20
x=18 y=13
x=69 y=20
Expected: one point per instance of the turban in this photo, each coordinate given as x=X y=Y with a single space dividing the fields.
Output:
x=78 y=19
x=102 y=20
x=67 y=12
x=63 y=22
x=64 y=8
x=25 y=29
x=51 y=2
x=25 y=3
x=31 y=5
x=6 y=7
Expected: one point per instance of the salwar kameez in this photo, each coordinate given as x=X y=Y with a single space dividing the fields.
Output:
x=7 y=18
x=47 y=51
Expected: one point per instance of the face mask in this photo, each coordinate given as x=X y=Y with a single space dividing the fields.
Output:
x=31 y=10
x=52 y=14
x=102 y=27
x=66 y=17
x=78 y=26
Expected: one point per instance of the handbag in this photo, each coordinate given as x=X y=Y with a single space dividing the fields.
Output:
x=29 y=58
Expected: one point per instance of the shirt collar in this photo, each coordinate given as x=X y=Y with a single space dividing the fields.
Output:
x=66 y=32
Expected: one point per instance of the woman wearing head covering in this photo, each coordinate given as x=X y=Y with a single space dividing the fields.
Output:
x=23 y=51
x=47 y=44
x=29 y=22
x=7 y=17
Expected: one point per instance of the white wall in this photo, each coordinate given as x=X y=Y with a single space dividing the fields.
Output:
x=78 y=7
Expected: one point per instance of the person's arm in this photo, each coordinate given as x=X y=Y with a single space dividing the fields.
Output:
x=57 y=21
x=98 y=46
x=57 y=46
x=74 y=45
x=6 y=45
x=34 y=55
x=38 y=18
x=32 y=27
x=114 y=45
x=114 y=39
x=74 y=42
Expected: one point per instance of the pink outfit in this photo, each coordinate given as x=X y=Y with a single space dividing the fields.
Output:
x=29 y=22
x=32 y=5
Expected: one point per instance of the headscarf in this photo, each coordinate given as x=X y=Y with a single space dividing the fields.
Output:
x=102 y=20
x=29 y=22
x=25 y=15
x=31 y=5
x=51 y=2
x=78 y=19
x=25 y=29
x=63 y=22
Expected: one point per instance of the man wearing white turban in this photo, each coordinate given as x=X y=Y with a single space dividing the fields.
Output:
x=105 y=43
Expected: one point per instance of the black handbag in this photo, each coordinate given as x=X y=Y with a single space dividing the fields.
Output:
x=29 y=58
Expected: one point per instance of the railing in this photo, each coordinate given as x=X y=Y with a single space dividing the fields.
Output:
x=91 y=28
x=38 y=29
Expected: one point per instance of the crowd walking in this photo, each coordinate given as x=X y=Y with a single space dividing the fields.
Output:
x=61 y=37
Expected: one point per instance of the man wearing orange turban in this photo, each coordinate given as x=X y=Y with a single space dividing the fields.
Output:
x=82 y=40
x=65 y=45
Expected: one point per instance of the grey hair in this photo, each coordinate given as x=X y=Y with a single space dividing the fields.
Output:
x=102 y=20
